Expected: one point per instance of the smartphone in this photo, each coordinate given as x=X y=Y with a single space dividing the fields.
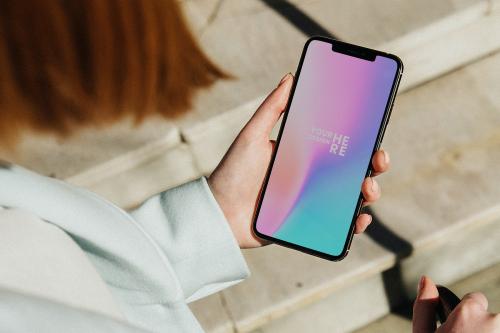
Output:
x=334 y=122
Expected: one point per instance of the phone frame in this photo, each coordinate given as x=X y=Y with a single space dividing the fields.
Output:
x=352 y=50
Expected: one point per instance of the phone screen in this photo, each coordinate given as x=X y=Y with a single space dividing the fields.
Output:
x=312 y=192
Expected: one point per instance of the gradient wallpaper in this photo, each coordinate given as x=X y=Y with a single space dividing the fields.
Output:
x=325 y=148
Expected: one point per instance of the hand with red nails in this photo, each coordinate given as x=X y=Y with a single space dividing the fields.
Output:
x=470 y=316
x=237 y=180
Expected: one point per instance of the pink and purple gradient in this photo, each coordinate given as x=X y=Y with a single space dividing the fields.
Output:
x=312 y=194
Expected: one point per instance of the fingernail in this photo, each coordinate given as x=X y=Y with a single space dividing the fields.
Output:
x=285 y=78
x=386 y=156
x=374 y=185
x=420 y=285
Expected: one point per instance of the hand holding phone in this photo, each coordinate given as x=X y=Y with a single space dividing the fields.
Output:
x=237 y=180
x=332 y=126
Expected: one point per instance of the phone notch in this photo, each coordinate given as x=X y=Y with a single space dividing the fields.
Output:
x=354 y=51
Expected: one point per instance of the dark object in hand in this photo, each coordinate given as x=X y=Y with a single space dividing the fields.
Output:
x=447 y=302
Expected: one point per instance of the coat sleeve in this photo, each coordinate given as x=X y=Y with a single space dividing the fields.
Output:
x=189 y=226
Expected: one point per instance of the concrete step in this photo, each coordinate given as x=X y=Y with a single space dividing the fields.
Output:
x=440 y=207
x=486 y=281
x=259 y=45
x=106 y=161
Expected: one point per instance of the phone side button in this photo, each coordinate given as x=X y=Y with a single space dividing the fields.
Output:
x=382 y=133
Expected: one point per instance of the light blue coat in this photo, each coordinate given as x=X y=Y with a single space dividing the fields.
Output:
x=175 y=248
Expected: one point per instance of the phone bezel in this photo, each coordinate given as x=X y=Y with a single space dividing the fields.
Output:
x=387 y=112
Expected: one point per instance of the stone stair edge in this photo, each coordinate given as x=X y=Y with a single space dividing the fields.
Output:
x=469 y=223
x=127 y=161
x=319 y=293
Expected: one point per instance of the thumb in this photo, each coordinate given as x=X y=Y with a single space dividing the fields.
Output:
x=424 y=308
x=269 y=112
x=476 y=298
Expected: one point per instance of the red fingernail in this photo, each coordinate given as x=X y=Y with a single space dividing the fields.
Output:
x=285 y=78
x=420 y=284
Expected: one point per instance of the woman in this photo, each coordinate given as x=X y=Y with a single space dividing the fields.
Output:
x=70 y=64
x=71 y=260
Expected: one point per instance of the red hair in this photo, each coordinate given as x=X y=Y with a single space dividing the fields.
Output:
x=68 y=64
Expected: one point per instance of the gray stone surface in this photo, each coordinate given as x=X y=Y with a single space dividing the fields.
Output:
x=284 y=280
x=210 y=139
x=448 y=43
x=66 y=157
x=248 y=40
x=444 y=140
x=216 y=320
x=341 y=311
x=134 y=184
x=390 y=324
x=259 y=46
x=374 y=22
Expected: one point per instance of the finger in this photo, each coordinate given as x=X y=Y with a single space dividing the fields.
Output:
x=261 y=242
x=362 y=222
x=477 y=299
x=424 y=308
x=380 y=162
x=269 y=112
x=371 y=190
